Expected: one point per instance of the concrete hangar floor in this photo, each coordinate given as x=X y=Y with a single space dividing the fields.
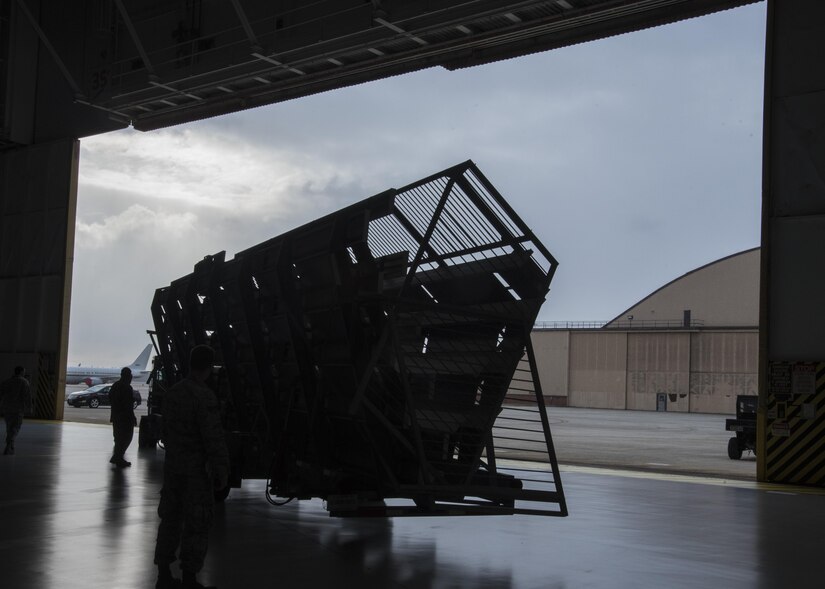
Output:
x=69 y=520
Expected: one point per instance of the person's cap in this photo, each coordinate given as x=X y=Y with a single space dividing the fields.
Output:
x=201 y=356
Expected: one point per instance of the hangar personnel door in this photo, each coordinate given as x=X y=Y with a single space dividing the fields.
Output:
x=661 y=401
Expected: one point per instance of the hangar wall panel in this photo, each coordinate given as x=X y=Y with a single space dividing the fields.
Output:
x=723 y=365
x=795 y=190
x=797 y=319
x=658 y=363
x=598 y=376
x=552 y=348
x=725 y=352
x=700 y=372
x=38 y=190
x=793 y=242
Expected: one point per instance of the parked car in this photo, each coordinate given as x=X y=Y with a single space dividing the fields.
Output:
x=96 y=396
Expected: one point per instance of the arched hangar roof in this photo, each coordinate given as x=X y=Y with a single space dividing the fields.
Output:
x=724 y=293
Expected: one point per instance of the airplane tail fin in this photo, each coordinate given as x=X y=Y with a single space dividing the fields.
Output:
x=139 y=365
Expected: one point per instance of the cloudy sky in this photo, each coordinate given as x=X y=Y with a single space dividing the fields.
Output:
x=634 y=159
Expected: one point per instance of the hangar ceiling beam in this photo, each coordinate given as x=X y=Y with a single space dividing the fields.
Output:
x=397 y=29
x=50 y=48
x=247 y=27
x=136 y=40
x=161 y=63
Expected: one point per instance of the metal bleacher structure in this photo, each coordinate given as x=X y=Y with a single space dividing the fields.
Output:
x=368 y=354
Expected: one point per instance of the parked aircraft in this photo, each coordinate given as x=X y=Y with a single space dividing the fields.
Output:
x=92 y=375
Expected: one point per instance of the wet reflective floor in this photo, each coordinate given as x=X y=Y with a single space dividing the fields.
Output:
x=69 y=519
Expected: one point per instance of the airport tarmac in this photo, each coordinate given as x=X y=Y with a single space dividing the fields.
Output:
x=681 y=443
x=677 y=443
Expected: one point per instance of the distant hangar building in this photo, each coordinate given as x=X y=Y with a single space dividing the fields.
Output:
x=690 y=346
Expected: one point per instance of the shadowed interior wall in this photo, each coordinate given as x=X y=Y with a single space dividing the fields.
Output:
x=38 y=192
x=792 y=417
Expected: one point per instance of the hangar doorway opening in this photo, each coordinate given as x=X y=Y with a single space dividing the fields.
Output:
x=638 y=125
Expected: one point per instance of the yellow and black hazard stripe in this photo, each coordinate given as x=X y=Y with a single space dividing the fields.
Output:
x=798 y=458
x=43 y=388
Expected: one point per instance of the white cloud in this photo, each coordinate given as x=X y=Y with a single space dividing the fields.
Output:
x=201 y=167
x=137 y=220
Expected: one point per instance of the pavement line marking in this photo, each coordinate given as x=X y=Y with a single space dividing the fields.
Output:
x=683 y=478
x=663 y=476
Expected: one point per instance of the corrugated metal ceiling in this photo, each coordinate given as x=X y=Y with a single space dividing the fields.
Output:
x=167 y=64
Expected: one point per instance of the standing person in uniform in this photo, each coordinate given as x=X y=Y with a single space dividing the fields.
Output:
x=122 y=399
x=15 y=401
x=196 y=463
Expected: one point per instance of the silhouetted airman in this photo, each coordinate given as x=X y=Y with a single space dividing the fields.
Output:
x=15 y=401
x=122 y=399
x=196 y=462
